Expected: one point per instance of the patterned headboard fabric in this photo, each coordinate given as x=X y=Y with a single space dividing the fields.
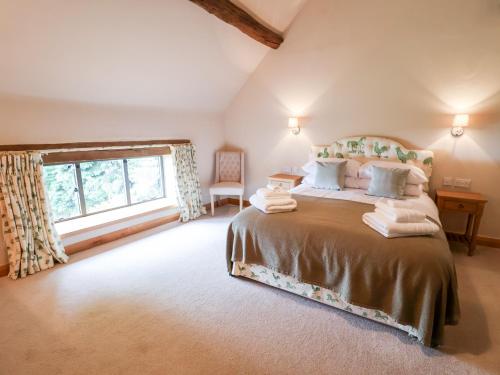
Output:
x=365 y=148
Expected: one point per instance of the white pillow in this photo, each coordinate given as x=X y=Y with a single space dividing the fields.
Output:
x=352 y=166
x=416 y=176
x=351 y=182
x=413 y=190
x=363 y=183
x=309 y=179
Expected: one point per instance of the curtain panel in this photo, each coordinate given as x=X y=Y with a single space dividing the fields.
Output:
x=187 y=182
x=31 y=240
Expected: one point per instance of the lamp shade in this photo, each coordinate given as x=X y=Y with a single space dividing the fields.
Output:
x=461 y=120
x=293 y=122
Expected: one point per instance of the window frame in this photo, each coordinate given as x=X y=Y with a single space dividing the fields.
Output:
x=80 y=190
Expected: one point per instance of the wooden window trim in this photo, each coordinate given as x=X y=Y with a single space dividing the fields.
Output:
x=90 y=145
x=61 y=157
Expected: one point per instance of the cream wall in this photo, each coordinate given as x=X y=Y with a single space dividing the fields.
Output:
x=397 y=68
x=25 y=120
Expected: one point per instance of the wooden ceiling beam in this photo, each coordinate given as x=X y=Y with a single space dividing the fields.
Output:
x=237 y=17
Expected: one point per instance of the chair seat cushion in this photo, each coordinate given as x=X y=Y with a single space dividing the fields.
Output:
x=226 y=188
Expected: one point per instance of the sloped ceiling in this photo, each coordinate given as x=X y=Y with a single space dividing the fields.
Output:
x=277 y=14
x=169 y=54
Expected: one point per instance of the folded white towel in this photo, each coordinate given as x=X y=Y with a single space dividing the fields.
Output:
x=267 y=193
x=276 y=188
x=391 y=229
x=274 y=205
x=397 y=203
x=400 y=215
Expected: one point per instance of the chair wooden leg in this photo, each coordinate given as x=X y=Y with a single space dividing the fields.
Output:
x=212 y=203
x=241 y=202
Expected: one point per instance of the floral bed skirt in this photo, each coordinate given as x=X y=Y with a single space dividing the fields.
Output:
x=316 y=293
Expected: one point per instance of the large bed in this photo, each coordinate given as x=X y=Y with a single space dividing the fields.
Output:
x=324 y=252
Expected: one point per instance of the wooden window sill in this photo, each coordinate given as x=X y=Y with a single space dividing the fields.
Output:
x=93 y=222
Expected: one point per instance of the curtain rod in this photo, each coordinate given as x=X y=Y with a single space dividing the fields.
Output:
x=58 y=147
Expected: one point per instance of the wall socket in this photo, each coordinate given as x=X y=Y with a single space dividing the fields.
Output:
x=458 y=182
x=462 y=182
x=447 y=181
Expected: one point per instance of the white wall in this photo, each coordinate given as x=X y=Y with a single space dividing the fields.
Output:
x=124 y=52
x=396 y=68
x=25 y=120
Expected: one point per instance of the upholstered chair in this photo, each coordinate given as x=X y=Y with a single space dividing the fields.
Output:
x=229 y=176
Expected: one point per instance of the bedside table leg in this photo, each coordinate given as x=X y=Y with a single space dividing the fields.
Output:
x=475 y=228
x=468 y=230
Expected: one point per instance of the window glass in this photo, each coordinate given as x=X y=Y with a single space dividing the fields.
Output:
x=145 y=179
x=61 y=187
x=103 y=185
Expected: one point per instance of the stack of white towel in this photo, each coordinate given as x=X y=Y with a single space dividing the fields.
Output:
x=273 y=199
x=397 y=219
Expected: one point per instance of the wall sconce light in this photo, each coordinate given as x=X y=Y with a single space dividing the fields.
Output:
x=459 y=122
x=293 y=125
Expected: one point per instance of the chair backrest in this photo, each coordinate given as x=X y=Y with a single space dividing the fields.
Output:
x=229 y=166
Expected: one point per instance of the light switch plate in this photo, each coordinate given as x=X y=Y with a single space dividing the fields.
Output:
x=447 y=181
x=462 y=182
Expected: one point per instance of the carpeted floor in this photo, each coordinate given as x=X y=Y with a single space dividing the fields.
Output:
x=162 y=303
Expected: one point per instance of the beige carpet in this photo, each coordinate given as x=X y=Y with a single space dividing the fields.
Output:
x=163 y=303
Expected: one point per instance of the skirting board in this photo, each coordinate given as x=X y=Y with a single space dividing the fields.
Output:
x=4 y=270
x=113 y=236
x=488 y=241
x=236 y=202
x=108 y=237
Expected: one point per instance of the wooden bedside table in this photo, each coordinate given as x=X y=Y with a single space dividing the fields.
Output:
x=286 y=181
x=470 y=203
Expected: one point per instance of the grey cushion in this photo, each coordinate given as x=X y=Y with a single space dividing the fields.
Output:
x=330 y=175
x=388 y=182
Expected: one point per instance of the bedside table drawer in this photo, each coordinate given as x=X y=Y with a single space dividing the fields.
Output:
x=460 y=206
x=287 y=185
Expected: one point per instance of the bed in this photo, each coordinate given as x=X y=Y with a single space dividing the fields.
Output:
x=323 y=251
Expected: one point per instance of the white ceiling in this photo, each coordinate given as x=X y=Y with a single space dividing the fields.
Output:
x=170 y=54
x=278 y=14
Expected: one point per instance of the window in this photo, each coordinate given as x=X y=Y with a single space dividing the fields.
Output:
x=103 y=185
x=60 y=181
x=84 y=188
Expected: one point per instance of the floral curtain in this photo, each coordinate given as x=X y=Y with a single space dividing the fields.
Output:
x=188 y=182
x=31 y=240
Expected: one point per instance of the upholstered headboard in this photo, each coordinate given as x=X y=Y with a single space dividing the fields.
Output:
x=366 y=148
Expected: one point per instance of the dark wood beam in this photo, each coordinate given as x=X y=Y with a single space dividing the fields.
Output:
x=237 y=17
x=82 y=156
x=63 y=146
